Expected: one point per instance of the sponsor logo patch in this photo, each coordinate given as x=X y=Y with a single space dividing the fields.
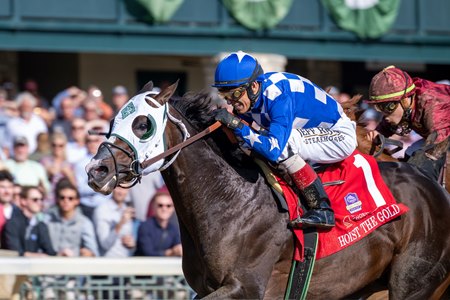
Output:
x=352 y=203
x=128 y=110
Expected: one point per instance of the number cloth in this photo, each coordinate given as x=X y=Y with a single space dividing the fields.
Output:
x=361 y=204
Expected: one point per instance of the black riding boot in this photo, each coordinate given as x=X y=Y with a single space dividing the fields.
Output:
x=319 y=214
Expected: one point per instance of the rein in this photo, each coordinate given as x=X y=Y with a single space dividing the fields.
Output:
x=180 y=146
x=383 y=141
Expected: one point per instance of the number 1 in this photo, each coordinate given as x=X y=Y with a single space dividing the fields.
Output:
x=361 y=162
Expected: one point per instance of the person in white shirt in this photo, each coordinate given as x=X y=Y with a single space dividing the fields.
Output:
x=76 y=148
x=27 y=124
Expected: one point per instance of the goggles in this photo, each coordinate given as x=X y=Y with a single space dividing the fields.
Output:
x=387 y=107
x=232 y=95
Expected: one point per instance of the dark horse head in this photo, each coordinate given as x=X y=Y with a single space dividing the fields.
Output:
x=235 y=240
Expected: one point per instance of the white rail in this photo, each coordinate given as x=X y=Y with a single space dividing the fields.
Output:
x=90 y=266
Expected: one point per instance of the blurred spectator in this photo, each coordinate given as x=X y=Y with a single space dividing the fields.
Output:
x=114 y=224
x=333 y=91
x=24 y=170
x=337 y=94
x=7 y=206
x=89 y=199
x=56 y=165
x=25 y=232
x=76 y=94
x=71 y=232
x=76 y=148
x=142 y=193
x=17 y=191
x=3 y=98
x=158 y=236
x=90 y=110
x=119 y=97
x=370 y=118
x=9 y=87
x=43 y=147
x=63 y=122
x=27 y=124
x=104 y=109
x=32 y=87
x=4 y=118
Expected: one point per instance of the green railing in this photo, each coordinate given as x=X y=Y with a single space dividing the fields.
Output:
x=97 y=278
x=105 y=287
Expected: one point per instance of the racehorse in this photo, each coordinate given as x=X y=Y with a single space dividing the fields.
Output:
x=236 y=243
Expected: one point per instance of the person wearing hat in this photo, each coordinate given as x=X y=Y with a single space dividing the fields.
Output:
x=119 y=97
x=413 y=104
x=300 y=123
x=25 y=170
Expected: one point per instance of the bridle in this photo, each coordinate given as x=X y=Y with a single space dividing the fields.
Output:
x=132 y=168
x=135 y=169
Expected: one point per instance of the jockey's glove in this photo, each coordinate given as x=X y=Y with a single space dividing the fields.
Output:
x=223 y=116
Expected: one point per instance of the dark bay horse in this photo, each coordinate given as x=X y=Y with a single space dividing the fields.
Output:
x=236 y=243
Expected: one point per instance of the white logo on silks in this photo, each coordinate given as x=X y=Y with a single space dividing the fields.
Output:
x=353 y=204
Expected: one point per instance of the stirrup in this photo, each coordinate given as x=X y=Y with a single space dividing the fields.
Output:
x=306 y=222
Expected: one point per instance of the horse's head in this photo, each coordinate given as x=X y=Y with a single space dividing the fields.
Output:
x=351 y=108
x=135 y=135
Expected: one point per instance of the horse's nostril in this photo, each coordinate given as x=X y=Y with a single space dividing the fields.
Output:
x=102 y=170
x=99 y=172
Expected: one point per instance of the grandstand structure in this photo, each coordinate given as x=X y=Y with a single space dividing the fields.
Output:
x=110 y=42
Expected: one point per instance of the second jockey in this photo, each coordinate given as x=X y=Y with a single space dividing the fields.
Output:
x=300 y=123
x=414 y=104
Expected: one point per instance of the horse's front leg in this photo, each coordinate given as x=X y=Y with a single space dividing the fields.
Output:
x=234 y=288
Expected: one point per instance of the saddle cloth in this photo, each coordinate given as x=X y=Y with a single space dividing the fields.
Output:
x=361 y=204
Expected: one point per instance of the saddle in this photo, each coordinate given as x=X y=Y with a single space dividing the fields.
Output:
x=359 y=197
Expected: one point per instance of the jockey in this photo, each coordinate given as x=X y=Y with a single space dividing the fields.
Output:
x=413 y=104
x=299 y=122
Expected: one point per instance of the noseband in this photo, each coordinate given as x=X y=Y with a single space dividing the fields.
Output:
x=133 y=168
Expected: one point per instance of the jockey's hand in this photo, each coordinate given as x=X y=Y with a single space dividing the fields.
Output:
x=371 y=135
x=228 y=119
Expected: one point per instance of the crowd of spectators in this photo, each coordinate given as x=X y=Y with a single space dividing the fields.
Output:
x=46 y=205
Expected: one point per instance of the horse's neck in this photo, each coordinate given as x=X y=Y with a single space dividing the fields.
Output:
x=200 y=174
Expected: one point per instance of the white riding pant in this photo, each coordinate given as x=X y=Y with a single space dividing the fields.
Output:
x=322 y=145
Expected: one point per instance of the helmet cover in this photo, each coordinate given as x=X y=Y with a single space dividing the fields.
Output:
x=236 y=69
x=391 y=84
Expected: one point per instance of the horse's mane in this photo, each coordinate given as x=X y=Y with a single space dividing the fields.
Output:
x=196 y=107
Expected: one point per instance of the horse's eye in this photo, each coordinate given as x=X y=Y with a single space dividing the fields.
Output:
x=142 y=127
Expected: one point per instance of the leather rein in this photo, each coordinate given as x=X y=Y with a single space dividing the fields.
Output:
x=180 y=146
x=382 y=142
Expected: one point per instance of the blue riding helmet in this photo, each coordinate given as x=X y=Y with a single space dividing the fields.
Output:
x=237 y=69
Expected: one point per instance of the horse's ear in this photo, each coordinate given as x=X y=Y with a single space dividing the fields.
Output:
x=147 y=87
x=165 y=94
